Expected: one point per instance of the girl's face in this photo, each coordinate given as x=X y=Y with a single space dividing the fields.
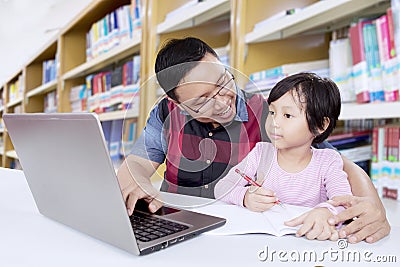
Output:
x=286 y=123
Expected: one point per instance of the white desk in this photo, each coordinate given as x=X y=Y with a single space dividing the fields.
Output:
x=29 y=239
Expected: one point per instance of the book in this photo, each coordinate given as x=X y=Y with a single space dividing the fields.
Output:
x=115 y=140
x=243 y=221
x=357 y=42
x=344 y=133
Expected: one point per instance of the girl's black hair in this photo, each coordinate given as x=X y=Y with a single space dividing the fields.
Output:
x=320 y=97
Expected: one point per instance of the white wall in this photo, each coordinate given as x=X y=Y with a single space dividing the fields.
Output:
x=27 y=25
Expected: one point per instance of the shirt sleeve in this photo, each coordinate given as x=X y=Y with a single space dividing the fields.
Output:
x=335 y=181
x=232 y=188
x=151 y=143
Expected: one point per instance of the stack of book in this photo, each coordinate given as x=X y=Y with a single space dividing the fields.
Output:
x=375 y=66
x=263 y=81
x=354 y=144
x=117 y=89
x=116 y=28
x=78 y=98
x=120 y=137
x=50 y=102
x=49 y=70
x=385 y=167
x=16 y=89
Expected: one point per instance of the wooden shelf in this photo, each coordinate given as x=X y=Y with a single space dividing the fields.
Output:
x=12 y=154
x=195 y=15
x=118 y=53
x=354 y=111
x=117 y=115
x=322 y=13
x=15 y=102
x=45 y=88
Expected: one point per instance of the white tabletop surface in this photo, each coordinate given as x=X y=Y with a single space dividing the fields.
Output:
x=29 y=239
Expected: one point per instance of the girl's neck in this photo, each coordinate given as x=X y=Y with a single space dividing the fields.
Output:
x=294 y=160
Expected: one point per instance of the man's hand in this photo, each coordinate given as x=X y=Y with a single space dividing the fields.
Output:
x=370 y=224
x=138 y=187
x=259 y=199
x=315 y=225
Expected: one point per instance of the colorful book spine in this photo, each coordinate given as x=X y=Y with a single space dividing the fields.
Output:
x=385 y=166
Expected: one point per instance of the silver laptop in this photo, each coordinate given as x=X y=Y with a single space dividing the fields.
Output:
x=73 y=181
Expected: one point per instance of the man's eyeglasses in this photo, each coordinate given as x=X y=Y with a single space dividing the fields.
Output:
x=222 y=90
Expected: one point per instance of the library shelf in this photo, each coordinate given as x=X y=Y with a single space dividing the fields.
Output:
x=12 y=154
x=42 y=89
x=382 y=110
x=118 y=53
x=194 y=15
x=331 y=13
x=15 y=102
x=117 y=115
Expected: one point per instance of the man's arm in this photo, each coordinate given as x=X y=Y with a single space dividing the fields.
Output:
x=371 y=224
x=134 y=181
x=146 y=156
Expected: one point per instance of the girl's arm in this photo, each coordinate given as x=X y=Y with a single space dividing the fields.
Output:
x=372 y=224
x=232 y=187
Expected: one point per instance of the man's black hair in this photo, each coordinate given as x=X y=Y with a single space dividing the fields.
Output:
x=176 y=58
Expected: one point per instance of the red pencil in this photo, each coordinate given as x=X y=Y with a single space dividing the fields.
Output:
x=252 y=182
x=247 y=178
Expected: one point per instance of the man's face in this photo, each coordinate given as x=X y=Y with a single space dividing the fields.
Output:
x=208 y=92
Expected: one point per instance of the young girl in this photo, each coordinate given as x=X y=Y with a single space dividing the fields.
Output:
x=303 y=109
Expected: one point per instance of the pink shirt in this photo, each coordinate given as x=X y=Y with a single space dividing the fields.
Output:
x=321 y=180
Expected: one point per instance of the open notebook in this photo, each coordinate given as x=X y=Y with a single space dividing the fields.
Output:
x=240 y=220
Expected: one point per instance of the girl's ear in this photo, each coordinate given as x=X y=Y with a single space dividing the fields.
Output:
x=326 y=124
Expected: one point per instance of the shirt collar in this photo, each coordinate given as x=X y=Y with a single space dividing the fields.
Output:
x=241 y=109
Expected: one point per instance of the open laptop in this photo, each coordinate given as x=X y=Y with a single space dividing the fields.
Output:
x=73 y=181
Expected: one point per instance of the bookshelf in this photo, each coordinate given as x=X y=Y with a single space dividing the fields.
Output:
x=37 y=79
x=191 y=14
x=318 y=16
x=227 y=24
x=353 y=111
x=116 y=115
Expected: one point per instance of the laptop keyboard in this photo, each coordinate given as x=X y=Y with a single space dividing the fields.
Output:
x=148 y=228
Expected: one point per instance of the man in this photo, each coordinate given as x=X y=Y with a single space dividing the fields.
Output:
x=205 y=126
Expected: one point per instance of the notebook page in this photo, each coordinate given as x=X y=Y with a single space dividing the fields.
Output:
x=243 y=221
x=278 y=214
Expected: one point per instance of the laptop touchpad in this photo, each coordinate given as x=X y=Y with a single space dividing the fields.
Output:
x=142 y=205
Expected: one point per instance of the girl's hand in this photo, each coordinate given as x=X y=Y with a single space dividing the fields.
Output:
x=259 y=199
x=315 y=225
